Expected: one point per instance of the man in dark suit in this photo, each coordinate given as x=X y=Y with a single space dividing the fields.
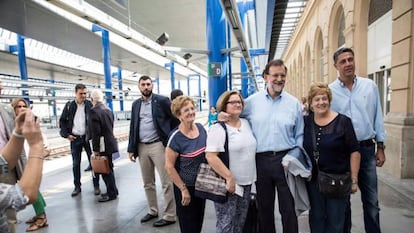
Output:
x=150 y=126
x=101 y=124
x=73 y=126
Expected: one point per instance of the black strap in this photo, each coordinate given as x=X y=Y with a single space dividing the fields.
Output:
x=315 y=148
x=224 y=156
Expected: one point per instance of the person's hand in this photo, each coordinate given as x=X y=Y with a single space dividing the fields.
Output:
x=131 y=157
x=230 y=185
x=19 y=121
x=71 y=137
x=223 y=116
x=354 y=188
x=30 y=127
x=380 y=157
x=186 y=197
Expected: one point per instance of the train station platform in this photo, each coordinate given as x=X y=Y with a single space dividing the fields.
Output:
x=84 y=214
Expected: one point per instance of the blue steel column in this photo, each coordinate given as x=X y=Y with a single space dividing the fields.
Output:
x=107 y=64
x=157 y=81
x=216 y=40
x=107 y=68
x=54 y=98
x=171 y=66
x=243 y=8
x=188 y=85
x=229 y=57
x=121 y=94
x=22 y=64
x=244 y=78
x=199 y=93
x=172 y=76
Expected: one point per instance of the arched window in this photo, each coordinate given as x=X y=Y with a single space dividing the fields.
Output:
x=341 y=27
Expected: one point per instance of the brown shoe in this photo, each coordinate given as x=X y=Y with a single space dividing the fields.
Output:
x=31 y=220
x=41 y=222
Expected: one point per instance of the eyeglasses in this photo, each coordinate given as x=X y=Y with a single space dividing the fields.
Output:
x=234 y=102
x=187 y=110
x=21 y=106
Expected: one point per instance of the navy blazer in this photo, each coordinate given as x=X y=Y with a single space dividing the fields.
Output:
x=161 y=116
x=101 y=124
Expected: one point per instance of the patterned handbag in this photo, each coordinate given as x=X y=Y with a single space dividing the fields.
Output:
x=209 y=184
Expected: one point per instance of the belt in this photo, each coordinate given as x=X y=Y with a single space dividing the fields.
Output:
x=146 y=143
x=274 y=153
x=367 y=143
x=78 y=136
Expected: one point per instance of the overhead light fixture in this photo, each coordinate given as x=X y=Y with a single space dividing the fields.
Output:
x=162 y=39
x=187 y=56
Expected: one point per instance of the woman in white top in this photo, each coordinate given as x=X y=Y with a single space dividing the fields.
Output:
x=241 y=173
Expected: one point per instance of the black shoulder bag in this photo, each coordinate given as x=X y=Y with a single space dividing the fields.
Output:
x=209 y=184
x=330 y=185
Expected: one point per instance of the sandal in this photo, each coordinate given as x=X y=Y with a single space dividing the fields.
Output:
x=39 y=223
x=31 y=220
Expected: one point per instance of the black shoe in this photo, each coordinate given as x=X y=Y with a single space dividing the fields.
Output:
x=148 y=217
x=162 y=222
x=89 y=168
x=96 y=191
x=75 y=192
x=106 y=198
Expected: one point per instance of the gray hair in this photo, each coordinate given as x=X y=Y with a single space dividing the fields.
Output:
x=97 y=95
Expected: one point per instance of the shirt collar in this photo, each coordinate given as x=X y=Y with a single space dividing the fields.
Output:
x=80 y=104
x=266 y=92
x=342 y=84
x=149 y=100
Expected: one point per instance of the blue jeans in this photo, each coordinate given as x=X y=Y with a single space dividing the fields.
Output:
x=76 y=147
x=368 y=186
x=327 y=215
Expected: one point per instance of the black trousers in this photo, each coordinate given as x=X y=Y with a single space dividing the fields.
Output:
x=270 y=174
x=190 y=217
x=109 y=180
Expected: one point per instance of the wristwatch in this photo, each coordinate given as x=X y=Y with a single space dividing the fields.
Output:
x=380 y=145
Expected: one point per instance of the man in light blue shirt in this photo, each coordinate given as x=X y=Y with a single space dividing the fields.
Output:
x=277 y=123
x=358 y=98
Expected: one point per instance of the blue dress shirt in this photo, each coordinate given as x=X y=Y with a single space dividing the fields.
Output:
x=277 y=123
x=362 y=105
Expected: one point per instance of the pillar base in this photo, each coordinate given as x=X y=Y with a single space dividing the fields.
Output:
x=400 y=144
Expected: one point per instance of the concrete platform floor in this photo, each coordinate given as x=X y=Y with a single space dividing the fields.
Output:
x=84 y=214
